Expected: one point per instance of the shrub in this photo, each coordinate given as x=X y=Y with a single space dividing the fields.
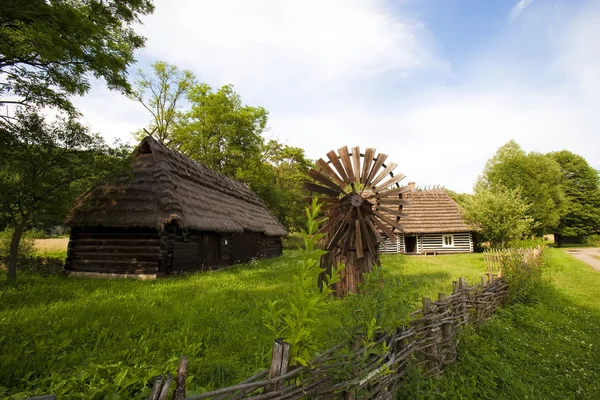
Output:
x=26 y=247
x=593 y=240
x=522 y=269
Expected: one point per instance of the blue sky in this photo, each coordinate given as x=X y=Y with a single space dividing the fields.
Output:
x=438 y=85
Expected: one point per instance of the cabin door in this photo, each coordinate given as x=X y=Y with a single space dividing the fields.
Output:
x=208 y=251
x=410 y=244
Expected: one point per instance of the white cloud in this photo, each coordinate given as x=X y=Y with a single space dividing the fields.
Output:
x=518 y=8
x=335 y=73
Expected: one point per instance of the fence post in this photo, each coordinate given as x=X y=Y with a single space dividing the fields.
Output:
x=448 y=349
x=279 y=364
x=180 y=387
x=156 y=388
x=432 y=351
x=463 y=287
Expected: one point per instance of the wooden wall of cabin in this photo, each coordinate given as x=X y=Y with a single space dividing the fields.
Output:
x=195 y=251
x=113 y=250
x=268 y=246
x=434 y=243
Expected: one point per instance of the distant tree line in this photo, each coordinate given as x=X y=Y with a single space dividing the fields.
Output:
x=522 y=194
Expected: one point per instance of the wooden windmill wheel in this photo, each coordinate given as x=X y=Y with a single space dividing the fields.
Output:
x=363 y=204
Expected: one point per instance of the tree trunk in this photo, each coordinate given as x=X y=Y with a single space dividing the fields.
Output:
x=14 y=250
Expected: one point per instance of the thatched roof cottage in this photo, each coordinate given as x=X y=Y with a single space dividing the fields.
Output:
x=170 y=214
x=434 y=225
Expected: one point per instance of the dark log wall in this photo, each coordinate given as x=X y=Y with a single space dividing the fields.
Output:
x=268 y=246
x=244 y=246
x=145 y=251
x=196 y=251
x=120 y=251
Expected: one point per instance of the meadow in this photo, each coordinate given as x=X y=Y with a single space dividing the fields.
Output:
x=545 y=348
x=105 y=339
x=84 y=338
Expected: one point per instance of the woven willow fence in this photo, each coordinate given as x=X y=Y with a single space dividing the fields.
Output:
x=372 y=371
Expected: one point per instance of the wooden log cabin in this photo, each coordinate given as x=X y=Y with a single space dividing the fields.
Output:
x=434 y=225
x=168 y=215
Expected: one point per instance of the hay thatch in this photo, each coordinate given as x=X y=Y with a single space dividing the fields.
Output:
x=165 y=186
x=432 y=211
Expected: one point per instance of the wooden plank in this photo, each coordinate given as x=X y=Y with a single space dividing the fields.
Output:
x=335 y=161
x=374 y=229
x=367 y=162
x=345 y=157
x=403 y=202
x=387 y=231
x=116 y=256
x=320 y=189
x=107 y=249
x=336 y=237
x=359 y=243
x=389 y=221
x=384 y=173
x=390 y=182
x=389 y=192
x=356 y=163
x=329 y=171
x=378 y=162
x=319 y=177
x=393 y=212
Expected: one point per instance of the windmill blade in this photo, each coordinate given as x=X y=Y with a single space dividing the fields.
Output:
x=335 y=161
x=374 y=229
x=358 y=241
x=340 y=230
x=365 y=230
x=390 y=182
x=356 y=163
x=311 y=187
x=383 y=173
x=391 y=192
x=329 y=171
x=319 y=177
x=389 y=221
x=333 y=221
x=378 y=162
x=345 y=157
x=400 y=202
x=392 y=211
x=348 y=238
x=367 y=162
x=387 y=231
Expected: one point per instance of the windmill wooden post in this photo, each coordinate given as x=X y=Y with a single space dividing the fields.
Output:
x=363 y=204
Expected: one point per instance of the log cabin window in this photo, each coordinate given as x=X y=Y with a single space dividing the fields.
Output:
x=447 y=240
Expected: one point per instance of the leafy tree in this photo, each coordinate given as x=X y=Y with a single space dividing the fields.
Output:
x=50 y=48
x=538 y=178
x=581 y=185
x=220 y=131
x=500 y=213
x=290 y=167
x=43 y=167
x=161 y=93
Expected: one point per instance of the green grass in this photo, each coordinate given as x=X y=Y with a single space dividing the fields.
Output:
x=547 y=349
x=85 y=338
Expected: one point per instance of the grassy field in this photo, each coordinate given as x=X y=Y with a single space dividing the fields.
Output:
x=84 y=338
x=546 y=349
x=56 y=247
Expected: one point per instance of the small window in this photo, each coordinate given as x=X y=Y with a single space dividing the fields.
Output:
x=448 y=241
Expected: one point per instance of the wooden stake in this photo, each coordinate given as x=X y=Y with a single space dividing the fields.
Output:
x=180 y=388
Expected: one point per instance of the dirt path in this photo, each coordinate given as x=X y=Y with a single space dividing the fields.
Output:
x=589 y=255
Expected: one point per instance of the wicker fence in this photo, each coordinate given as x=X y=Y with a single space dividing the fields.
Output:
x=357 y=370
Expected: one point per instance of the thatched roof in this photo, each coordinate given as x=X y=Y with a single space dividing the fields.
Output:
x=432 y=211
x=166 y=186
